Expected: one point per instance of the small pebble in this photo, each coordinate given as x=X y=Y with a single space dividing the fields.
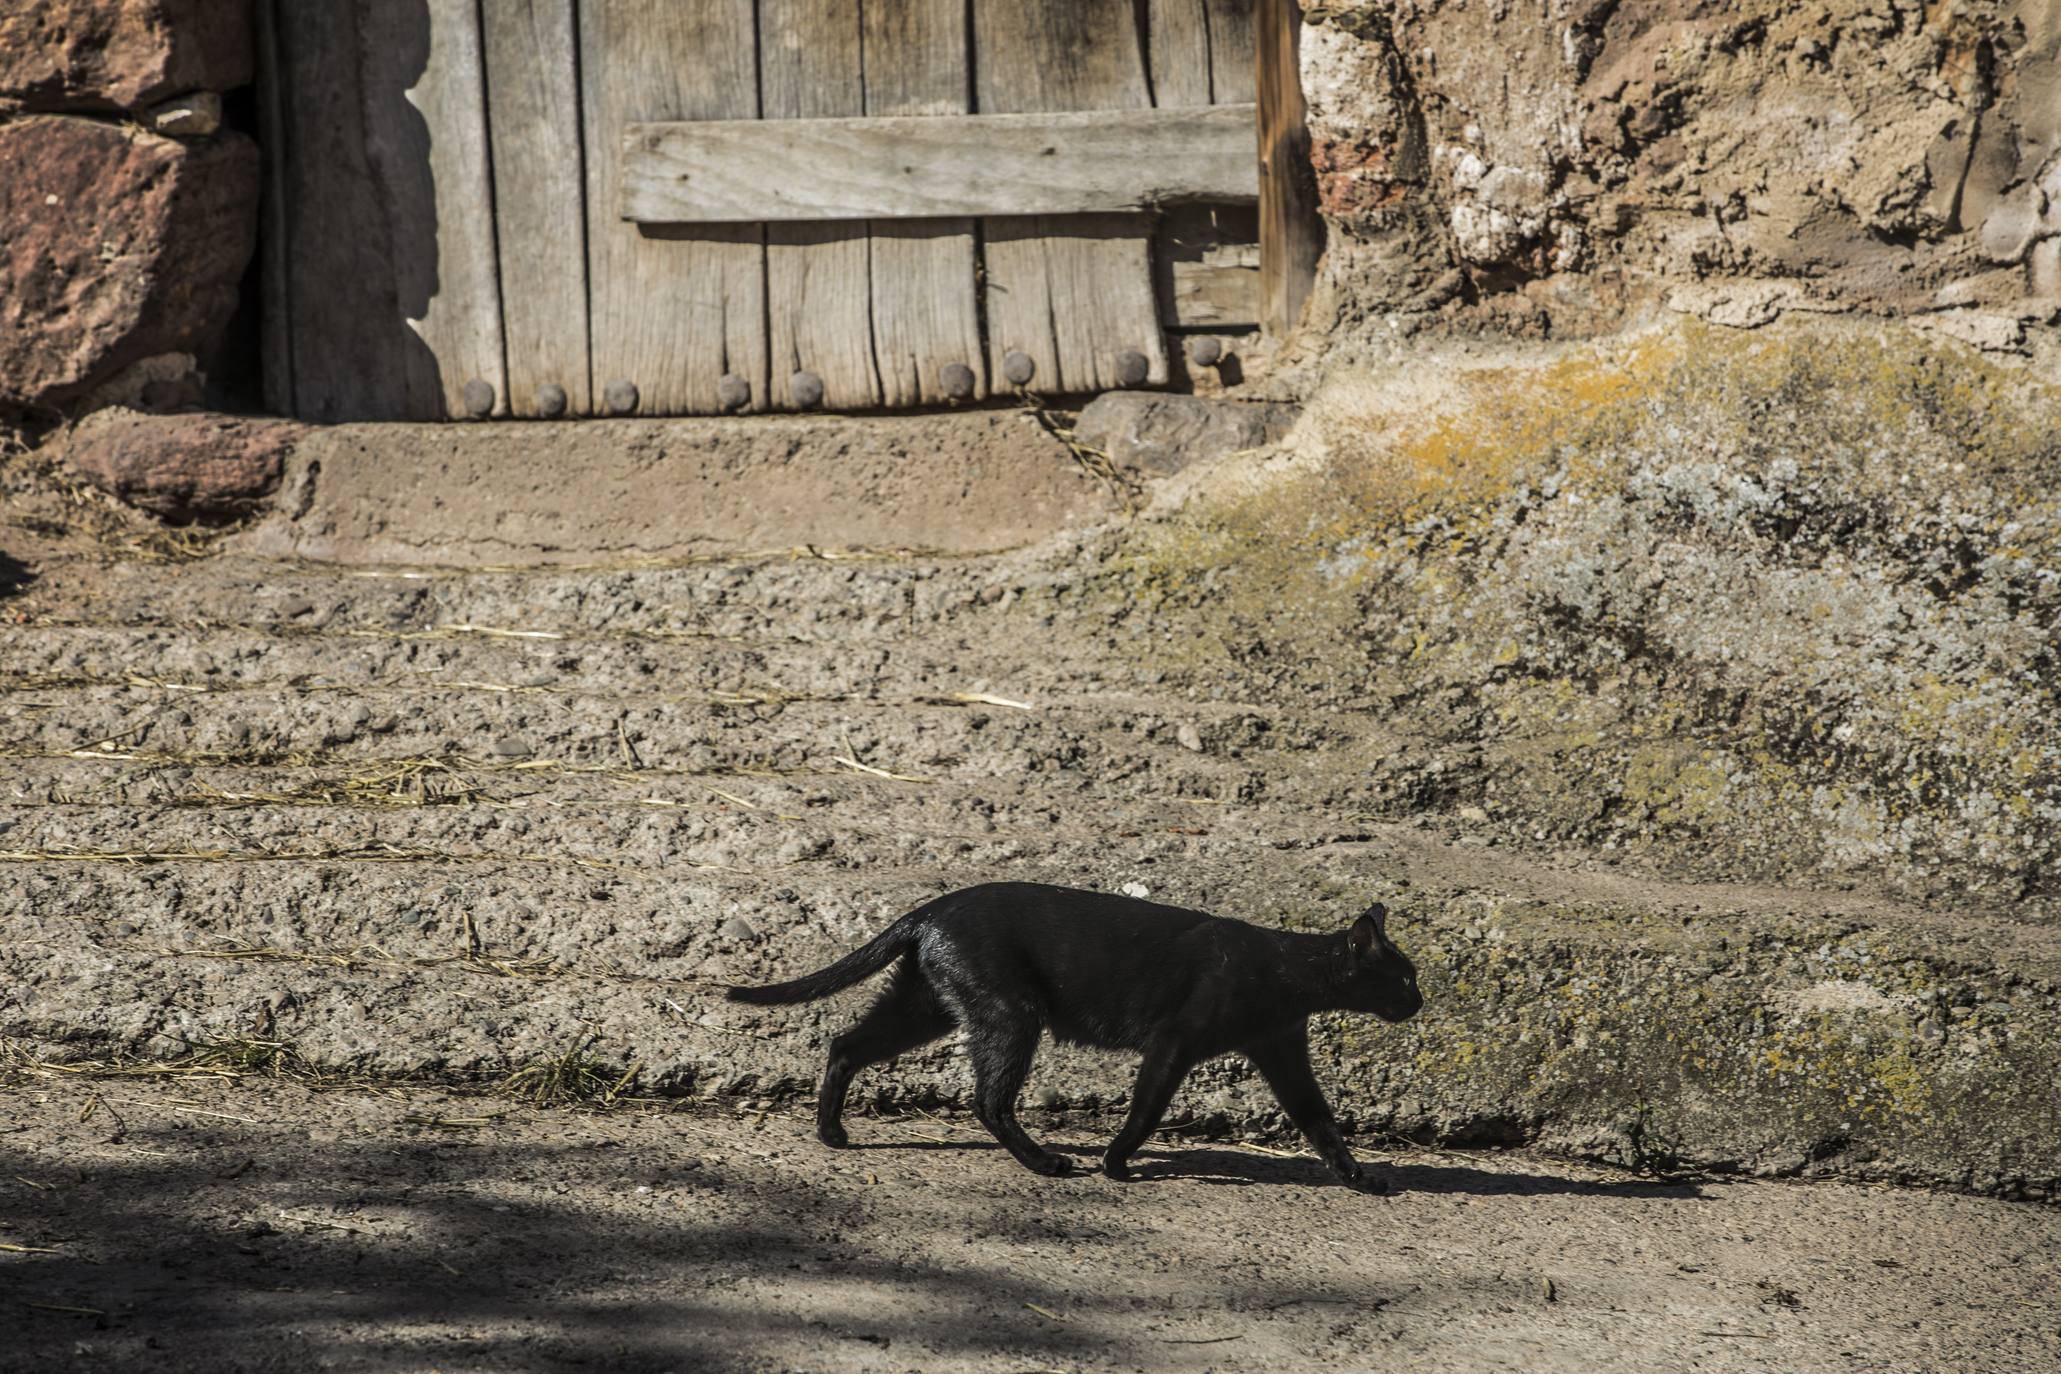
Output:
x=512 y=747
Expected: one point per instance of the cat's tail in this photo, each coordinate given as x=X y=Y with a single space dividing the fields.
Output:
x=863 y=962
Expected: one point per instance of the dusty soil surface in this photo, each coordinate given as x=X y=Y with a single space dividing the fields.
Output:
x=393 y=823
x=204 y=1225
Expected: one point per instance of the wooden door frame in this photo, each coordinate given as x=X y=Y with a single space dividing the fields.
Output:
x=1291 y=230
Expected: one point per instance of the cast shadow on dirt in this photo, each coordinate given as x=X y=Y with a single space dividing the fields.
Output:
x=1246 y=1168
x=15 y=575
x=457 y=1254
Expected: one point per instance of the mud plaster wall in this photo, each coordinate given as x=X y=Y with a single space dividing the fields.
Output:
x=1558 y=167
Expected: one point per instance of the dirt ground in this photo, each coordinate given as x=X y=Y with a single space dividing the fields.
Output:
x=208 y=1226
x=415 y=831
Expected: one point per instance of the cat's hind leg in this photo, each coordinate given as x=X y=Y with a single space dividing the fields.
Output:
x=1164 y=1068
x=1002 y=1042
x=907 y=1014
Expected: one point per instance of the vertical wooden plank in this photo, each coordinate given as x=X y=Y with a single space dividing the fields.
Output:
x=1180 y=53
x=671 y=308
x=926 y=313
x=1205 y=257
x=540 y=223
x=1073 y=293
x=353 y=352
x=1291 y=233
x=818 y=297
x=389 y=232
x=1231 y=60
x=275 y=316
x=426 y=140
x=1201 y=52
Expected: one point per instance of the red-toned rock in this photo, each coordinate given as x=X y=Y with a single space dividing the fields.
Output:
x=119 y=54
x=201 y=467
x=115 y=245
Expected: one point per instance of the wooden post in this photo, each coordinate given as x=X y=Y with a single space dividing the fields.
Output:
x=1291 y=233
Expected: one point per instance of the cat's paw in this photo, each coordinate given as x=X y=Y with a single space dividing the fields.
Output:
x=1052 y=1166
x=1363 y=1180
x=1117 y=1169
x=832 y=1134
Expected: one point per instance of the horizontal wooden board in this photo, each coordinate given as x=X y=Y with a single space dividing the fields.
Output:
x=1220 y=290
x=924 y=167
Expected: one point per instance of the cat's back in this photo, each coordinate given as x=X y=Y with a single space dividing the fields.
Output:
x=1047 y=914
x=1105 y=969
x=1079 y=939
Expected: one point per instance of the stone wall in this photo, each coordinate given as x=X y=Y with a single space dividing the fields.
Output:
x=127 y=211
x=1559 y=167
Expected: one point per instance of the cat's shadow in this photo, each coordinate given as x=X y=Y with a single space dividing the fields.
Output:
x=1241 y=1168
x=1245 y=1169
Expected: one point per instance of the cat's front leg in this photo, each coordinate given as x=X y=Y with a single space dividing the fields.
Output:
x=1284 y=1061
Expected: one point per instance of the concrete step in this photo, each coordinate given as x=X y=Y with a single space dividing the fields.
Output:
x=975 y=480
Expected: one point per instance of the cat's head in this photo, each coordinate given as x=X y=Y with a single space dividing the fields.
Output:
x=1383 y=980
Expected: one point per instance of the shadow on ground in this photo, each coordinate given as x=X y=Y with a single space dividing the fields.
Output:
x=1203 y=1164
x=408 y=1252
x=15 y=575
x=445 y=1252
x=1238 y=1167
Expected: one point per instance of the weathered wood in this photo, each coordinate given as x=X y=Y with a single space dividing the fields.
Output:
x=533 y=95
x=275 y=301
x=1180 y=53
x=426 y=137
x=1291 y=232
x=926 y=312
x=672 y=308
x=1201 y=52
x=389 y=243
x=1206 y=264
x=1087 y=162
x=1073 y=293
x=818 y=295
x=1220 y=290
x=1232 y=62
x=350 y=344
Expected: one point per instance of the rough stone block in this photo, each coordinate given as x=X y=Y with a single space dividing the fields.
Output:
x=198 y=467
x=198 y=115
x=115 y=245
x=1165 y=433
x=120 y=54
x=2009 y=231
x=2044 y=269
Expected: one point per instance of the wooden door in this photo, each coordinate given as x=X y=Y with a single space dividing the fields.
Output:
x=692 y=207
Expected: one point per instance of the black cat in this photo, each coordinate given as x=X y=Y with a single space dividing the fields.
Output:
x=1008 y=960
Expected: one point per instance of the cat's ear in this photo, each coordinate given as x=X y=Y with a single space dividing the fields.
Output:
x=1370 y=932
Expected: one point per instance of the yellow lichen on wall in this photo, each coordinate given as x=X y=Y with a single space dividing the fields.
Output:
x=1775 y=600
